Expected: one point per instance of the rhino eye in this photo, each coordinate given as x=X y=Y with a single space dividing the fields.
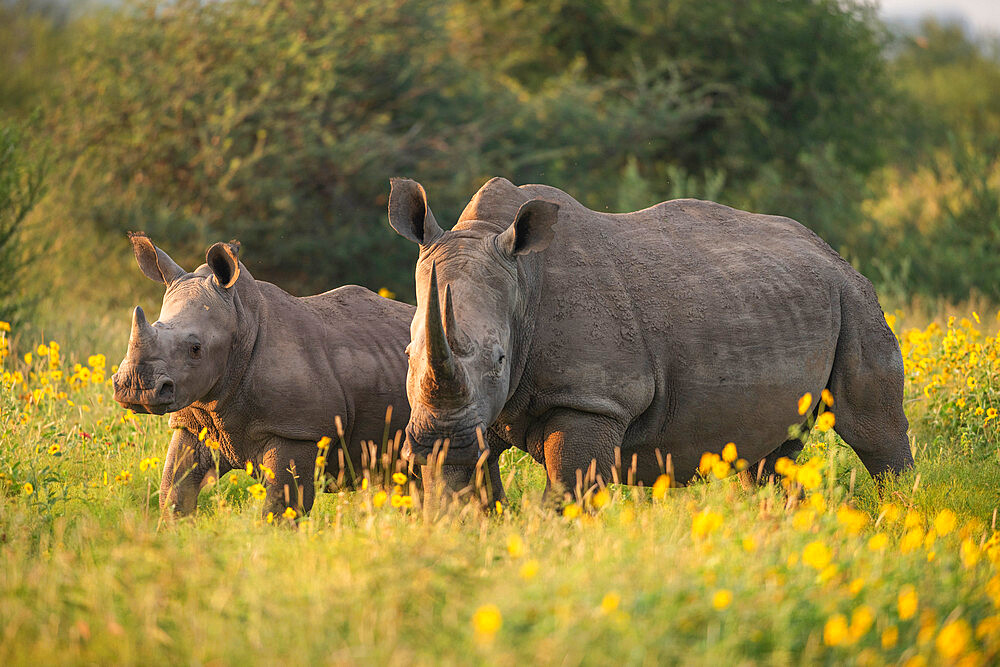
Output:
x=196 y=350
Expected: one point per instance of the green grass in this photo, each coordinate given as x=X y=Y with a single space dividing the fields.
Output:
x=90 y=575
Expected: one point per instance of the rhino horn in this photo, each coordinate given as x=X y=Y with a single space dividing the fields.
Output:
x=143 y=334
x=456 y=339
x=439 y=355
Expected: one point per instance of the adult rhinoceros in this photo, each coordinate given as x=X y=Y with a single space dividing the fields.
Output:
x=264 y=373
x=668 y=331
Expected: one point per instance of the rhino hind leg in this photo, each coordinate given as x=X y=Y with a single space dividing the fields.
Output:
x=867 y=386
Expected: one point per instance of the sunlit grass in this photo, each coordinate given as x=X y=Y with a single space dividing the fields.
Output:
x=817 y=567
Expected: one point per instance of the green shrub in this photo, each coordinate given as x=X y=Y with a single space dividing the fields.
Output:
x=21 y=185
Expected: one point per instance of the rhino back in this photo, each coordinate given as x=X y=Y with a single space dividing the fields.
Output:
x=337 y=353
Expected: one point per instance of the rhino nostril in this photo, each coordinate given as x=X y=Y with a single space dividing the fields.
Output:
x=165 y=390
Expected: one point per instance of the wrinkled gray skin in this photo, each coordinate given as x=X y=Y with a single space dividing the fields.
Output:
x=672 y=331
x=263 y=371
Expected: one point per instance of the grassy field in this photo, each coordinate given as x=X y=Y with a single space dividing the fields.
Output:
x=816 y=567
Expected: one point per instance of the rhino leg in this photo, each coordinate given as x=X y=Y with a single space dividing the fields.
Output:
x=867 y=386
x=292 y=486
x=579 y=449
x=789 y=449
x=187 y=465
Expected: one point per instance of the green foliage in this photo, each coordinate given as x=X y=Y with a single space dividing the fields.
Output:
x=280 y=123
x=936 y=214
x=31 y=41
x=22 y=181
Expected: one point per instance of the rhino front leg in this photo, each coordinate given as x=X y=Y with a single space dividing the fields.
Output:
x=293 y=464
x=184 y=470
x=579 y=449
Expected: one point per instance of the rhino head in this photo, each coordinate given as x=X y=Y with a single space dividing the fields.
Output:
x=180 y=358
x=463 y=343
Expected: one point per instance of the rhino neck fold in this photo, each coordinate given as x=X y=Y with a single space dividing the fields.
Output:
x=530 y=279
x=248 y=302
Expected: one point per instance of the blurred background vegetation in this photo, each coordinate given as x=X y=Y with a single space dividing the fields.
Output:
x=279 y=122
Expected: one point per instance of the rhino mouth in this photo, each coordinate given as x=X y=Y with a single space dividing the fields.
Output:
x=155 y=400
x=460 y=451
x=145 y=408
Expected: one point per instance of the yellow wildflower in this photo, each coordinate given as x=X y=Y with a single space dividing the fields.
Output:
x=610 y=602
x=836 y=630
x=818 y=503
x=722 y=598
x=862 y=620
x=989 y=627
x=971 y=382
x=856 y=586
x=320 y=461
x=386 y=293
x=270 y=517
x=515 y=546
x=600 y=499
x=396 y=501
x=379 y=499
x=28 y=488
x=970 y=553
x=323 y=442
x=808 y=476
x=890 y=636
x=878 y=542
x=257 y=491
x=991 y=413
x=55 y=449
x=660 y=486
x=571 y=511
x=907 y=602
x=212 y=444
x=890 y=512
x=816 y=555
x=399 y=478
x=852 y=520
x=704 y=523
x=529 y=570
x=487 y=622
x=203 y=433
x=803 y=520
x=729 y=453
x=827 y=398
x=42 y=350
x=708 y=459
x=944 y=522
x=953 y=639
x=721 y=469
x=825 y=421
x=406 y=502
x=249 y=467
x=4 y=326
x=27 y=358
x=289 y=513
x=805 y=403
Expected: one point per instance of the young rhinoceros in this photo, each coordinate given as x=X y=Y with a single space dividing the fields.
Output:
x=265 y=373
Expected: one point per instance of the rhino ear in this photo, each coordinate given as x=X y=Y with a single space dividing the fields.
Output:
x=409 y=213
x=154 y=263
x=224 y=260
x=531 y=230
